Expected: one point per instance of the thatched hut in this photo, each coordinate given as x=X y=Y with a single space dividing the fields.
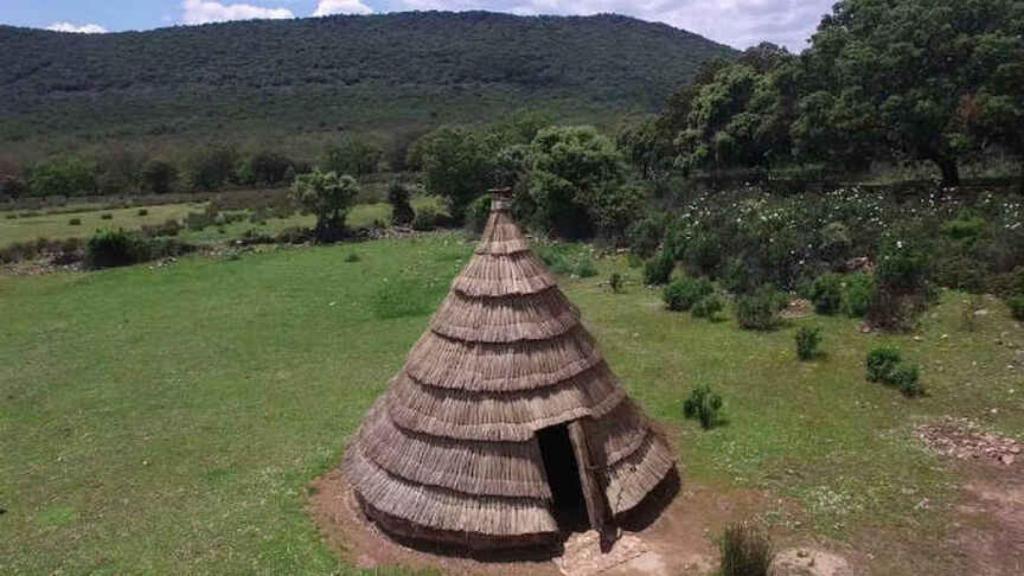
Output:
x=505 y=419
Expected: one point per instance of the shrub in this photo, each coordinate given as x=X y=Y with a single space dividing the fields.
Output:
x=907 y=379
x=585 y=267
x=1016 y=305
x=402 y=213
x=857 y=294
x=835 y=242
x=703 y=404
x=75 y=222
x=881 y=364
x=681 y=295
x=352 y=257
x=658 y=270
x=760 y=310
x=746 y=551
x=425 y=220
x=615 y=282
x=645 y=235
x=807 y=342
x=110 y=248
x=708 y=307
x=827 y=294
x=107 y=216
x=143 y=212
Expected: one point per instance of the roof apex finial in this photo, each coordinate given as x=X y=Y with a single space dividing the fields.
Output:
x=501 y=199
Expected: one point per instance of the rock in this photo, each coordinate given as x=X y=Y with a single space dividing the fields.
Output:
x=1007 y=459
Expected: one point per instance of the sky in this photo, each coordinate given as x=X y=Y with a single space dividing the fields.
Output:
x=738 y=23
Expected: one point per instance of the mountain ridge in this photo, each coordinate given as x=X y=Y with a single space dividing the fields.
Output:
x=372 y=72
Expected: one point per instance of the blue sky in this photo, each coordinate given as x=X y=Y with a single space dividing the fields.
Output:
x=739 y=23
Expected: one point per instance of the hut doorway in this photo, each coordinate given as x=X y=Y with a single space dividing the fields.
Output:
x=563 y=471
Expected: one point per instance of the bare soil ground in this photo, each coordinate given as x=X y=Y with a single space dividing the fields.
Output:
x=673 y=534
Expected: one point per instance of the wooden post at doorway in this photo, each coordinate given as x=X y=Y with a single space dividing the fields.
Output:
x=592 y=493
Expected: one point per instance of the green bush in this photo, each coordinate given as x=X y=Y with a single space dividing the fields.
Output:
x=615 y=282
x=109 y=248
x=760 y=310
x=807 y=342
x=75 y=222
x=107 y=216
x=681 y=295
x=143 y=212
x=425 y=220
x=827 y=294
x=746 y=551
x=658 y=270
x=703 y=404
x=881 y=364
x=857 y=294
x=1016 y=305
x=352 y=257
x=645 y=235
x=708 y=307
x=907 y=379
x=112 y=248
x=585 y=267
x=402 y=213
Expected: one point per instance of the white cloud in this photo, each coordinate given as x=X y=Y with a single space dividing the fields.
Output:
x=327 y=7
x=83 y=29
x=202 y=12
x=739 y=23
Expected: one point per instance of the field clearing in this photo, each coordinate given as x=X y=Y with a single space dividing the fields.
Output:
x=170 y=419
x=56 y=226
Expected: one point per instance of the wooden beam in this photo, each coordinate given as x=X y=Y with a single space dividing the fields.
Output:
x=592 y=493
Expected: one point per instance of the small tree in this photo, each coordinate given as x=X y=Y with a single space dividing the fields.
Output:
x=159 y=176
x=402 y=213
x=329 y=197
x=63 y=177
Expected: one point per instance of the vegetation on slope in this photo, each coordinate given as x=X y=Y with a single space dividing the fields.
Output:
x=317 y=75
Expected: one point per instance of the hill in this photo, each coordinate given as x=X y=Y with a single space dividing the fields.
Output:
x=365 y=73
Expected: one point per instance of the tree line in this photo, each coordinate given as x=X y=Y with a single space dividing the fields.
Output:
x=121 y=171
x=918 y=81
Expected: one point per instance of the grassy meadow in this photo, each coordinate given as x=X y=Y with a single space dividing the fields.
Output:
x=24 y=226
x=168 y=420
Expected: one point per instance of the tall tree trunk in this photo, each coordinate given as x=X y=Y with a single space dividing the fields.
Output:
x=950 y=171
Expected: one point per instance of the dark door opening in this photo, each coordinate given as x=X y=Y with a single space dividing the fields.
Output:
x=569 y=508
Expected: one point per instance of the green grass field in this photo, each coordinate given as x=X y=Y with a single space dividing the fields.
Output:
x=168 y=420
x=57 y=226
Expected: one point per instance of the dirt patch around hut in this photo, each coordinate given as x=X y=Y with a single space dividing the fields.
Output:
x=673 y=535
x=989 y=523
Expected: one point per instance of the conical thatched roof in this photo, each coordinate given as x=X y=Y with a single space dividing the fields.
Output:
x=450 y=452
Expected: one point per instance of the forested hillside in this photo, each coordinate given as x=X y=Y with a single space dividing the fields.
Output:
x=347 y=72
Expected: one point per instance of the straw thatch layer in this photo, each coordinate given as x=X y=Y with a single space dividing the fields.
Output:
x=501 y=236
x=444 y=509
x=495 y=320
x=618 y=434
x=442 y=362
x=483 y=468
x=520 y=273
x=501 y=417
x=632 y=478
